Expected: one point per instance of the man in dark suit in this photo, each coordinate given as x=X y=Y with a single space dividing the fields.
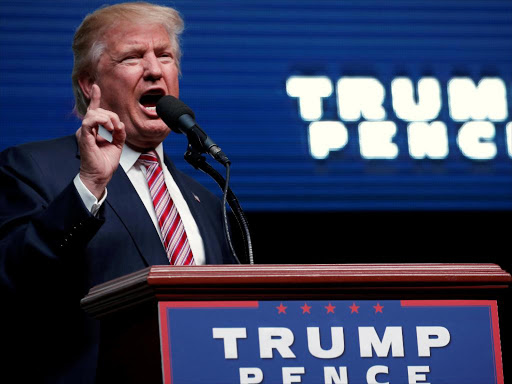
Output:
x=77 y=211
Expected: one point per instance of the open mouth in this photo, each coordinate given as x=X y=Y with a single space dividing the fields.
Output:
x=149 y=99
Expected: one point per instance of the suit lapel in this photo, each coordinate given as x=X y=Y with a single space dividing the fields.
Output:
x=188 y=195
x=125 y=202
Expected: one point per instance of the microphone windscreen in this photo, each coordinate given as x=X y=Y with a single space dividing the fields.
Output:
x=170 y=109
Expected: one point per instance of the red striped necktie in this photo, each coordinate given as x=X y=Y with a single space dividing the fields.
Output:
x=173 y=232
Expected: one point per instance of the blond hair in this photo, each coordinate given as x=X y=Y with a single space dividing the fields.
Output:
x=88 y=44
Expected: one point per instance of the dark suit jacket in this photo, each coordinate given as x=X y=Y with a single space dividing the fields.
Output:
x=52 y=251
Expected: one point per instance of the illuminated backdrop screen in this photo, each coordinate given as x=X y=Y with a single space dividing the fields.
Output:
x=320 y=105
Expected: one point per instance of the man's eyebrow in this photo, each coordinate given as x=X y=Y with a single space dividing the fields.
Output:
x=136 y=46
x=162 y=45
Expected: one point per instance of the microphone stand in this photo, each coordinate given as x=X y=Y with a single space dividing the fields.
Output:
x=194 y=158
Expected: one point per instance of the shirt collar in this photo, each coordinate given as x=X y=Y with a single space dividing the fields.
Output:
x=129 y=156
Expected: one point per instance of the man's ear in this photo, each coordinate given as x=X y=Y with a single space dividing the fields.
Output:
x=86 y=82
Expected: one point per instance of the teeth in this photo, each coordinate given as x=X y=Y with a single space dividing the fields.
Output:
x=151 y=108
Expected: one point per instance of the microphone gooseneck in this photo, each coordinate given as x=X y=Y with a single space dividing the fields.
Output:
x=179 y=117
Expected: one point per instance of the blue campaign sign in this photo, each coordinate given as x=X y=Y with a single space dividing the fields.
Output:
x=338 y=342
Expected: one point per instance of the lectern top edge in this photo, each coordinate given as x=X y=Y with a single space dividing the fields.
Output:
x=244 y=282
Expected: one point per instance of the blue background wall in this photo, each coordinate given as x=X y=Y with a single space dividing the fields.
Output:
x=237 y=58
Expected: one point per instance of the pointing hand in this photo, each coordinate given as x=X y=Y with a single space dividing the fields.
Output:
x=99 y=157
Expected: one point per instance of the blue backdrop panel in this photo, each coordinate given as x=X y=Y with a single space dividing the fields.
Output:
x=238 y=56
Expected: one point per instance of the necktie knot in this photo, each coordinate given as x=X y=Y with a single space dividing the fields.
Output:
x=148 y=159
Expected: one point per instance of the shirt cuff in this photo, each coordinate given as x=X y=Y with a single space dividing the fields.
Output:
x=90 y=201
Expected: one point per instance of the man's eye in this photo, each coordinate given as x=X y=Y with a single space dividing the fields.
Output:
x=130 y=59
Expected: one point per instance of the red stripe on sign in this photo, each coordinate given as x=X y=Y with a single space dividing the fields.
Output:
x=446 y=303
x=164 y=343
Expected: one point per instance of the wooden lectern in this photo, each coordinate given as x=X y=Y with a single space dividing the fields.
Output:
x=127 y=307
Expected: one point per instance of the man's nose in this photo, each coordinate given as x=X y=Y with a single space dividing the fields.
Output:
x=152 y=67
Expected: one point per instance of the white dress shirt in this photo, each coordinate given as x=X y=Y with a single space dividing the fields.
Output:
x=136 y=173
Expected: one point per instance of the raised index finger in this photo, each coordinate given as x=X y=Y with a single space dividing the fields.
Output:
x=95 y=97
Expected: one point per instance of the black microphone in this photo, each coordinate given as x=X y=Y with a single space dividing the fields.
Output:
x=179 y=117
